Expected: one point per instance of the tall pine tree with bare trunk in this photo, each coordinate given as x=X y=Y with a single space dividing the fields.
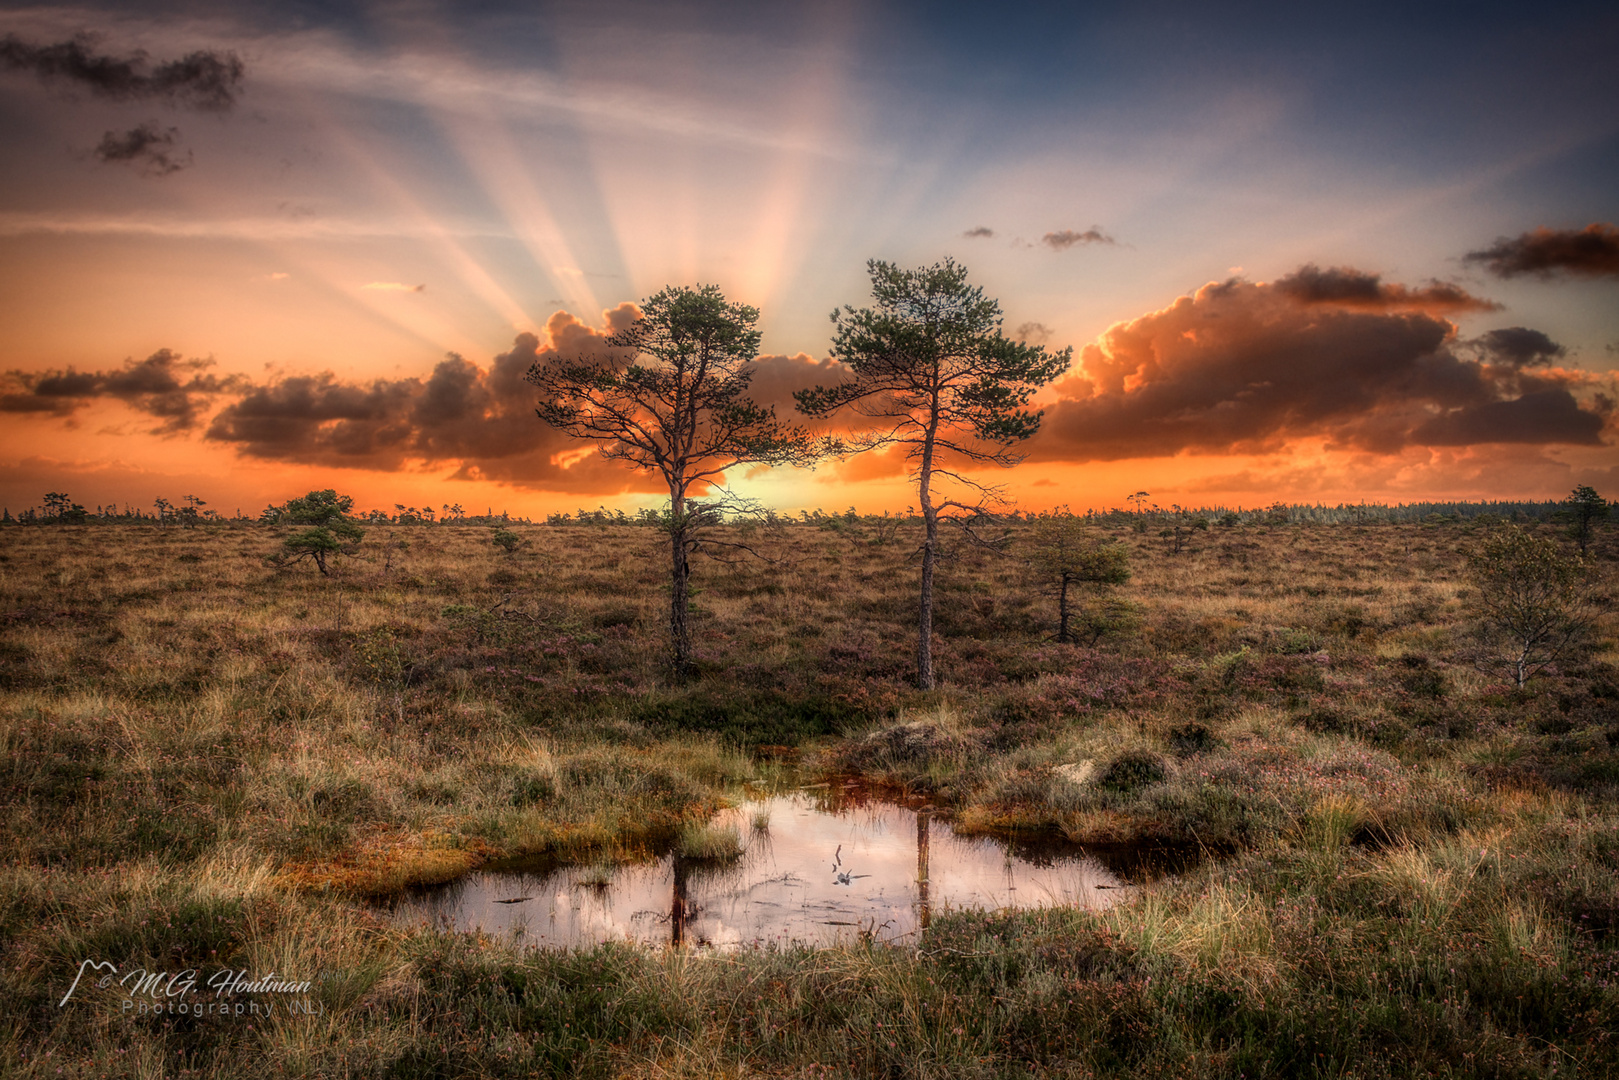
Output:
x=933 y=372
x=669 y=394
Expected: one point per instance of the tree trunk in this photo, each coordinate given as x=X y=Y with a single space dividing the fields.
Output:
x=924 y=910
x=930 y=554
x=679 y=586
x=924 y=640
x=679 y=909
x=1063 y=636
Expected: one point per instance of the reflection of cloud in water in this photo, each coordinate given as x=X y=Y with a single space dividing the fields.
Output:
x=784 y=889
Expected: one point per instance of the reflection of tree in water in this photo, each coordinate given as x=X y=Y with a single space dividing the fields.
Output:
x=758 y=898
x=923 y=911
x=679 y=909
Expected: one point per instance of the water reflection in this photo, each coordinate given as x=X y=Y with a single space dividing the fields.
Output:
x=820 y=872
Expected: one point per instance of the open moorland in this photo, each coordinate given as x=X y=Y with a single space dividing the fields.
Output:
x=1396 y=863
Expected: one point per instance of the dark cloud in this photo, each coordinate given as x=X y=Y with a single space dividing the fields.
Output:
x=982 y=232
x=777 y=377
x=1067 y=238
x=150 y=148
x=1519 y=346
x=480 y=420
x=1544 y=416
x=23 y=400
x=1349 y=287
x=203 y=80
x=1590 y=252
x=1245 y=368
x=165 y=385
x=1032 y=333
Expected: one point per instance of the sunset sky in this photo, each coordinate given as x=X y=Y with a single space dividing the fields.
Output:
x=1311 y=255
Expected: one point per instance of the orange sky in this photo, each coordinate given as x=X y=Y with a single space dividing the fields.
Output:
x=329 y=264
x=1239 y=394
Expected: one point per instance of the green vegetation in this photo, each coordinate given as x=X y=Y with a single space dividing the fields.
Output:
x=1532 y=596
x=1068 y=553
x=1399 y=864
x=506 y=540
x=680 y=409
x=327 y=530
x=1583 y=509
x=934 y=374
x=708 y=843
x=63 y=510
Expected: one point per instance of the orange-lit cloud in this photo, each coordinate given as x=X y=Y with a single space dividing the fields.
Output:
x=1591 y=252
x=175 y=390
x=1337 y=355
x=479 y=421
x=777 y=377
x=1348 y=287
x=392 y=286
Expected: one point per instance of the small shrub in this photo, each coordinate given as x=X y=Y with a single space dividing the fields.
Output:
x=1192 y=738
x=1067 y=555
x=433 y=791
x=1291 y=642
x=1326 y=721
x=506 y=540
x=353 y=799
x=483 y=624
x=532 y=789
x=1531 y=597
x=1132 y=770
x=1388 y=733
x=379 y=659
x=1105 y=617
x=329 y=530
x=1429 y=683
x=617 y=615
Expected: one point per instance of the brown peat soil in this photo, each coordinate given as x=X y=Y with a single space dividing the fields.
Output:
x=1405 y=866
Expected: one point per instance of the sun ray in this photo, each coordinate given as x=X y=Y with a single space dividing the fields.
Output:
x=489 y=151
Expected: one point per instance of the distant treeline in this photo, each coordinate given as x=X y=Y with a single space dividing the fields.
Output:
x=1279 y=513
x=58 y=509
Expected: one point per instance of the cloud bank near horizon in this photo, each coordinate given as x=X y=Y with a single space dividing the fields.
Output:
x=1339 y=356
x=1236 y=368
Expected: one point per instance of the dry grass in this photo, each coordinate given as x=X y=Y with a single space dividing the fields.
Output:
x=207 y=761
